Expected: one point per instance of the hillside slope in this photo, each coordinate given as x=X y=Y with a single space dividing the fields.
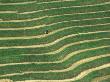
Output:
x=55 y=40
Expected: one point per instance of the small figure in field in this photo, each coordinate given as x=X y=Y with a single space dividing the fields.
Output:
x=46 y=32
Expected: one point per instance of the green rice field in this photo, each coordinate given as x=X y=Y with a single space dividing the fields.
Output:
x=54 y=40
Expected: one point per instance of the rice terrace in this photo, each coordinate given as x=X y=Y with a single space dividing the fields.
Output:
x=54 y=40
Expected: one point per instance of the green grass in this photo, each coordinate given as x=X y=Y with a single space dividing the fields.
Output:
x=65 y=20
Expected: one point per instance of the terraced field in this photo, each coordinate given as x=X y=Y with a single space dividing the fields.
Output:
x=55 y=40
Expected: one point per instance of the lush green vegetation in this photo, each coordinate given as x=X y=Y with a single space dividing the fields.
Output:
x=75 y=49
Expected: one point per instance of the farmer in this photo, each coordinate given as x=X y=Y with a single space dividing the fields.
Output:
x=46 y=32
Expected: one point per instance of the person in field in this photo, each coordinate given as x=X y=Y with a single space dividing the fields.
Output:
x=46 y=32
